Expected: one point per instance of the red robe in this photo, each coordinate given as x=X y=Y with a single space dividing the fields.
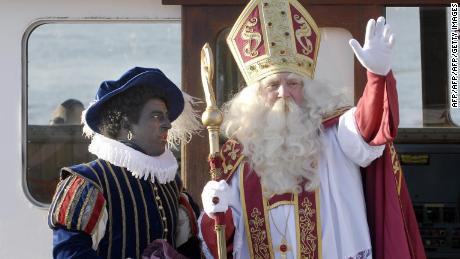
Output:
x=392 y=223
x=390 y=215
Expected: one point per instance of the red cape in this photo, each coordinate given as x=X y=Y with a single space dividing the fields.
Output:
x=390 y=215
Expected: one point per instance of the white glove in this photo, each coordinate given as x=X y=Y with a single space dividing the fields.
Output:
x=376 y=53
x=215 y=197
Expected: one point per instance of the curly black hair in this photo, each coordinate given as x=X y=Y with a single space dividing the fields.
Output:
x=126 y=106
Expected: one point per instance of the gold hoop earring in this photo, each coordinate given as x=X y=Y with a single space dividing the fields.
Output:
x=130 y=135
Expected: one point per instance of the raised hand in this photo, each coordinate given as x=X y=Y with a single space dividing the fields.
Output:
x=375 y=55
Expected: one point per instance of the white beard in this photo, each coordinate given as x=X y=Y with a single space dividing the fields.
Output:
x=282 y=143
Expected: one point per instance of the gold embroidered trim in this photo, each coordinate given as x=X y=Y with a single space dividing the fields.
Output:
x=66 y=190
x=397 y=170
x=243 y=207
x=123 y=211
x=73 y=204
x=164 y=204
x=136 y=219
x=109 y=197
x=319 y=233
x=249 y=35
x=297 y=223
x=258 y=234
x=279 y=203
x=83 y=210
x=147 y=221
x=304 y=32
x=307 y=226
x=161 y=212
x=172 y=198
x=56 y=197
x=176 y=189
x=273 y=47
x=232 y=153
x=258 y=227
x=58 y=202
x=173 y=207
x=95 y=174
x=97 y=185
x=77 y=196
x=109 y=207
x=267 y=227
x=335 y=113
x=171 y=204
x=69 y=207
x=89 y=208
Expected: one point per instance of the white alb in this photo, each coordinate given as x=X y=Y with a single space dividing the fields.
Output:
x=344 y=229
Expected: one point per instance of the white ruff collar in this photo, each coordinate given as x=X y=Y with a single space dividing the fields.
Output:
x=163 y=167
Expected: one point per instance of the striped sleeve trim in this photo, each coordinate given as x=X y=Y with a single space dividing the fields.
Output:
x=77 y=205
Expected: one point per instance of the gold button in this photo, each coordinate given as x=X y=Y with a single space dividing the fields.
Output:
x=164 y=218
x=160 y=207
x=166 y=230
x=157 y=198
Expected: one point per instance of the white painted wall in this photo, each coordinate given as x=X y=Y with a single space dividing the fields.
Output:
x=23 y=227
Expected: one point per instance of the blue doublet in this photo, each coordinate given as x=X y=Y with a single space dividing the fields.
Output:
x=134 y=217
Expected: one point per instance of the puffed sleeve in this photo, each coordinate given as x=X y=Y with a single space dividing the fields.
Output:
x=78 y=217
x=187 y=241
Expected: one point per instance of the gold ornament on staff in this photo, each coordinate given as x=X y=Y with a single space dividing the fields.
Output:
x=212 y=118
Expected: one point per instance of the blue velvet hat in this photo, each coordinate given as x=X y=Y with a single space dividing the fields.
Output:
x=136 y=77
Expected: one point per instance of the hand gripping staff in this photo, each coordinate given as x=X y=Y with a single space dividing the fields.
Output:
x=212 y=118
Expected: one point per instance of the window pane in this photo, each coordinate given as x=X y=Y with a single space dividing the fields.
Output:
x=68 y=61
x=406 y=64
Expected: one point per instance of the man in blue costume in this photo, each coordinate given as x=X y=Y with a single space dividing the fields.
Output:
x=131 y=195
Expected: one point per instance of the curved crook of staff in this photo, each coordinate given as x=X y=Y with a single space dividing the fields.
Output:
x=212 y=118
